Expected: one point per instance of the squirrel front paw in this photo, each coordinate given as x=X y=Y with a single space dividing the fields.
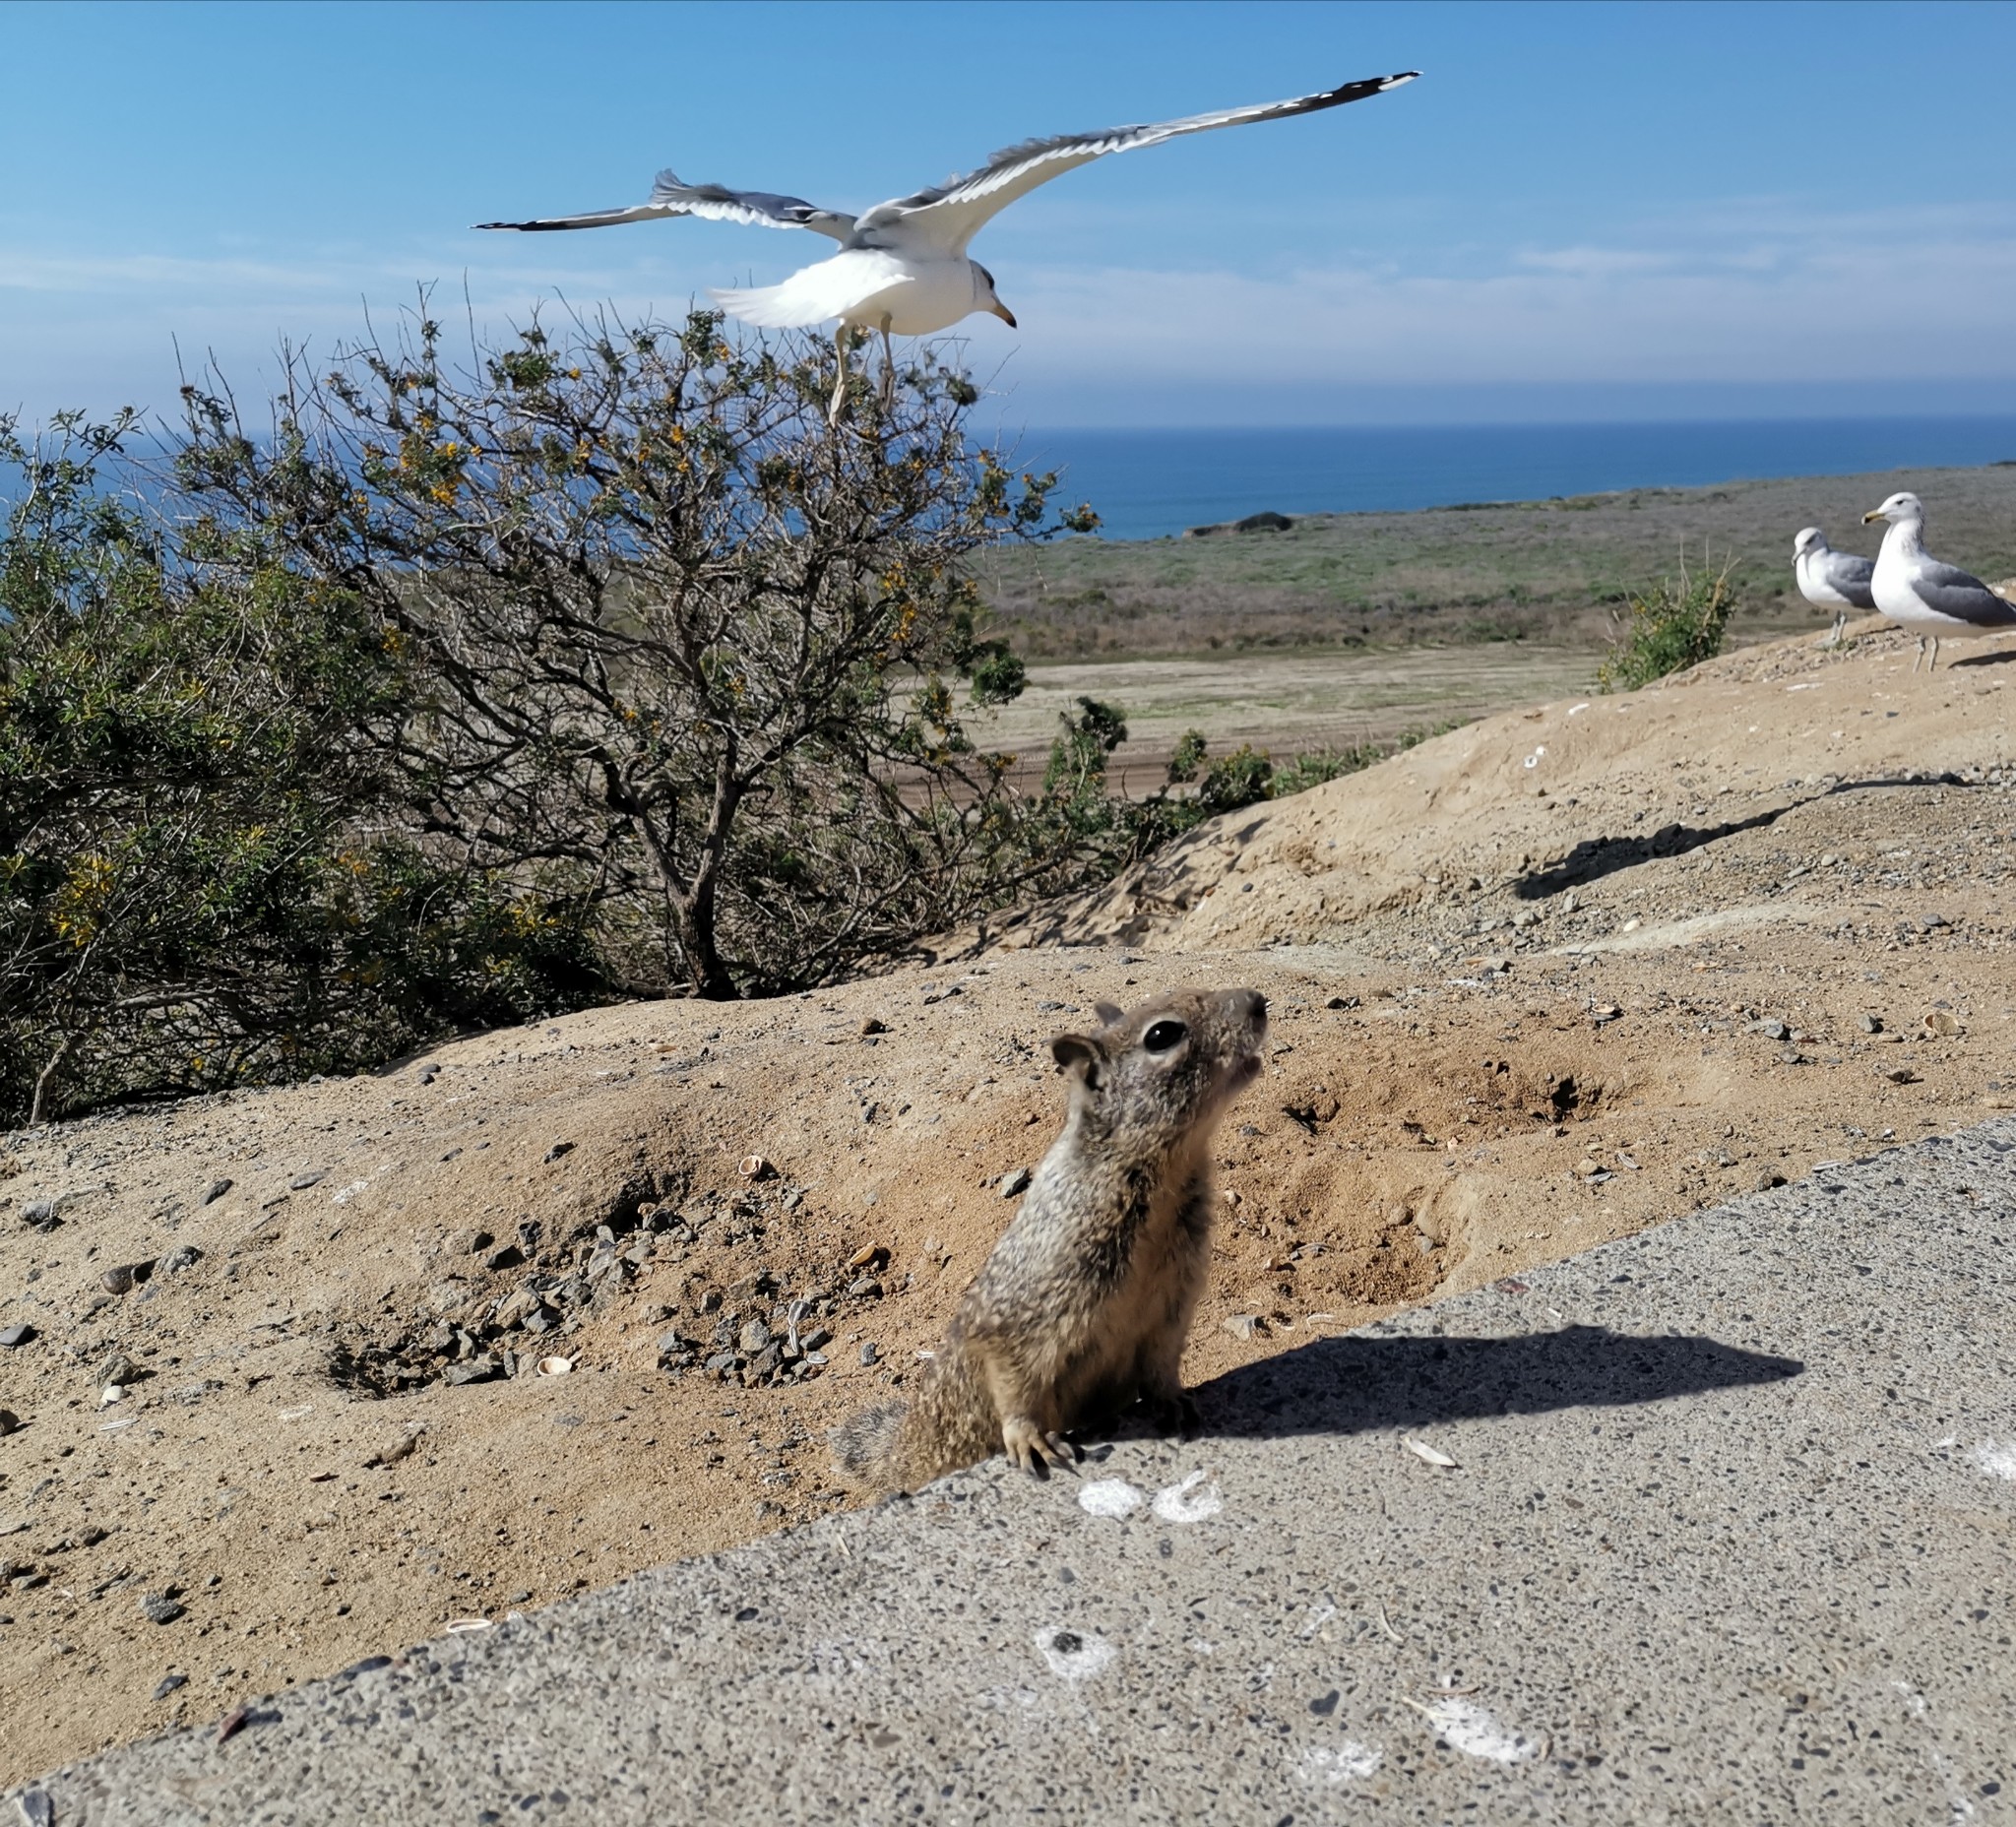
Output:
x=1036 y=1451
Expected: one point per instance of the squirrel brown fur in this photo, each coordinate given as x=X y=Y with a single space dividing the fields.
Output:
x=1085 y=1303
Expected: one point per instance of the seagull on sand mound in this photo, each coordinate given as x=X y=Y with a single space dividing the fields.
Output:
x=902 y=268
x=1913 y=588
x=1831 y=580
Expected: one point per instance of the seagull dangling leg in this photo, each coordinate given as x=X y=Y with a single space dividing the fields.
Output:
x=888 y=366
x=1840 y=628
x=1932 y=665
x=839 y=375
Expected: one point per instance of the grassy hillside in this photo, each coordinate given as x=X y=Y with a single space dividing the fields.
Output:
x=1515 y=571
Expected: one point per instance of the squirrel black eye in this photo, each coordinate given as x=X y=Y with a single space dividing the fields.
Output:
x=1164 y=1036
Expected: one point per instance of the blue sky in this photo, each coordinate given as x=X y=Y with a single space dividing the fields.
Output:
x=1579 y=211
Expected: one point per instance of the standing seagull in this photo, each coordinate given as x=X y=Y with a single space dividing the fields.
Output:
x=1913 y=587
x=902 y=268
x=1831 y=580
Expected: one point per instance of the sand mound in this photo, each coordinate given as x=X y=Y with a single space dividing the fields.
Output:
x=1536 y=983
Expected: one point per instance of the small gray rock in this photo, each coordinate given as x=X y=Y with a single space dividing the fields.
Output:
x=162 y=1609
x=167 y=1686
x=16 y=1335
x=755 y=1337
x=870 y=1351
x=478 y=1370
x=866 y=1288
x=303 y=1181
x=10 y=1423
x=41 y=1214
x=117 y=1280
x=1872 y=1023
x=216 y=1189
x=1245 y=1325
x=1771 y=1030
x=1013 y=1184
x=558 y=1149
x=509 y=1257
x=182 y=1256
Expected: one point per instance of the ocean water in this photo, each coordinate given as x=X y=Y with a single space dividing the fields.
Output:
x=1148 y=483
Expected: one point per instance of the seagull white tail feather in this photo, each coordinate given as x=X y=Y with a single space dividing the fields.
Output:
x=812 y=294
x=769 y=307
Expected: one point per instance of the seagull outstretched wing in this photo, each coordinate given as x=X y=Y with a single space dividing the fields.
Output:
x=949 y=217
x=760 y=209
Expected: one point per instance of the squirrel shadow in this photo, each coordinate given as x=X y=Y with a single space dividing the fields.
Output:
x=1358 y=1381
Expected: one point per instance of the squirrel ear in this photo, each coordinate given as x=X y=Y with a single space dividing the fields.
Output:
x=1107 y=1012
x=1079 y=1053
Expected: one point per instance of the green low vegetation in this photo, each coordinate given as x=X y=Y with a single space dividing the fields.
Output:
x=1677 y=623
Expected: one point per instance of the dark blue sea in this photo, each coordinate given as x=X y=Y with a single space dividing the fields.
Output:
x=1148 y=483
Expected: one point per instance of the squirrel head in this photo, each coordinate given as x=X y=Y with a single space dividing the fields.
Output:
x=1169 y=1067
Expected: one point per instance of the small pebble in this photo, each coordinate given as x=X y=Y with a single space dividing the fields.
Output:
x=216 y=1189
x=870 y=1351
x=10 y=1423
x=303 y=1181
x=1872 y=1023
x=1015 y=1183
x=1245 y=1325
x=168 y=1684
x=558 y=1149
x=16 y=1335
x=162 y=1609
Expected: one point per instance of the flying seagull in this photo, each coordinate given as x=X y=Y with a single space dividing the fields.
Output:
x=1831 y=580
x=902 y=268
x=1913 y=588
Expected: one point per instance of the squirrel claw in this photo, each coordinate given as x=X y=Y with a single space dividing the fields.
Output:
x=1037 y=1452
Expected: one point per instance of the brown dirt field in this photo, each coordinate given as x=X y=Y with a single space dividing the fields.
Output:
x=1457 y=1090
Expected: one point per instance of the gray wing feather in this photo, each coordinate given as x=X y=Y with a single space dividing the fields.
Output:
x=968 y=202
x=1953 y=591
x=760 y=209
x=1849 y=575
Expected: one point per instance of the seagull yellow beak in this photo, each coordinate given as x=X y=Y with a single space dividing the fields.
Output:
x=1872 y=514
x=1000 y=310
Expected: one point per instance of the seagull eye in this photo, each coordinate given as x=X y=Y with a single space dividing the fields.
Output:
x=1164 y=1036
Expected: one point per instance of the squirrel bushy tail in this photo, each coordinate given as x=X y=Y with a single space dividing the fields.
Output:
x=865 y=1444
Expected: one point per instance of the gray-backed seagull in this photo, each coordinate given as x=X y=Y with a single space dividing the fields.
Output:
x=1913 y=588
x=1831 y=580
x=902 y=268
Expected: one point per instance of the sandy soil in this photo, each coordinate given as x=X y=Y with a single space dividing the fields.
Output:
x=1542 y=982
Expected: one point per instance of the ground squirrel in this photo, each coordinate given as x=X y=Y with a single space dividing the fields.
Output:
x=1085 y=1303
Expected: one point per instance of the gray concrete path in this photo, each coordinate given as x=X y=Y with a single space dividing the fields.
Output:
x=1728 y=1537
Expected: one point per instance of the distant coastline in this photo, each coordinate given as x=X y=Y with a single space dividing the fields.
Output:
x=1154 y=484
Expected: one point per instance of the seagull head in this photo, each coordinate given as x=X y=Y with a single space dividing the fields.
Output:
x=1900 y=507
x=1810 y=539
x=984 y=298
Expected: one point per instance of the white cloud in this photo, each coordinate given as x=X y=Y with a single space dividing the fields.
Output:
x=1746 y=290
